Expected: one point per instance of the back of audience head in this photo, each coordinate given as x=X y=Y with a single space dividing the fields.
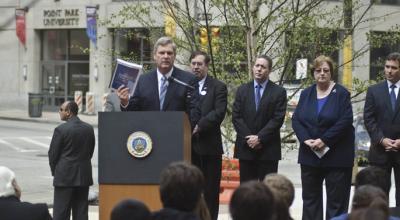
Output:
x=252 y=200
x=369 y=214
x=280 y=185
x=373 y=176
x=8 y=184
x=283 y=191
x=181 y=186
x=130 y=209
x=369 y=196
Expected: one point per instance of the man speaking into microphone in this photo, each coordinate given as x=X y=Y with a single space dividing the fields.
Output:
x=156 y=92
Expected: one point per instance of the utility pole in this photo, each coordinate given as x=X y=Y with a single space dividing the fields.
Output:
x=348 y=44
x=347 y=79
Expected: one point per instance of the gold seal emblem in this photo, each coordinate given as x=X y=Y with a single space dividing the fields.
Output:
x=139 y=144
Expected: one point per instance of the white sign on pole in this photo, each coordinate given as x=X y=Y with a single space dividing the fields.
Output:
x=301 y=69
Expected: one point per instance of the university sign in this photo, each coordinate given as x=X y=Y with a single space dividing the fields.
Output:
x=61 y=17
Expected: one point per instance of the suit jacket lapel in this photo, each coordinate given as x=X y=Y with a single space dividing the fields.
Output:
x=206 y=89
x=265 y=96
x=384 y=89
x=154 y=87
x=252 y=100
x=170 y=90
x=312 y=103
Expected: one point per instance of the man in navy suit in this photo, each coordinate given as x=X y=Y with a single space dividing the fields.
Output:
x=382 y=120
x=207 y=142
x=258 y=113
x=11 y=208
x=157 y=91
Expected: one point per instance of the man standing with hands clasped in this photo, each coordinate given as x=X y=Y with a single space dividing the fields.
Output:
x=258 y=113
x=70 y=152
x=382 y=120
x=207 y=142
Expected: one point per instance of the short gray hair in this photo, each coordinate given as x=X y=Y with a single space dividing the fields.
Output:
x=7 y=177
x=162 y=41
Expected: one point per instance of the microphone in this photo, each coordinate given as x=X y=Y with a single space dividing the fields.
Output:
x=173 y=79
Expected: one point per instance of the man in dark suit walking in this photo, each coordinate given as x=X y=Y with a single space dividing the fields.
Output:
x=70 y=152
x=206 y=142
x=257 y=115
x=11 y=208
x=382 y=120
x=166 y=88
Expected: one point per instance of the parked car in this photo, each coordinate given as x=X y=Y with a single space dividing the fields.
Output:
x=362 y=141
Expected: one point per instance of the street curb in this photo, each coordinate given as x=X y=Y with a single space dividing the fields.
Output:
x=28 y=119
x=44 y=121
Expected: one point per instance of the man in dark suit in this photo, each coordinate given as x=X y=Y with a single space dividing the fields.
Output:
x=70 y=152
x=382 y=120
x=257 y=115
x=206 y=142
x=11 y=208
x=166 y=88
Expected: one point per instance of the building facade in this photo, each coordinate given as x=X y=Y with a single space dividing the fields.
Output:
x=59 y=59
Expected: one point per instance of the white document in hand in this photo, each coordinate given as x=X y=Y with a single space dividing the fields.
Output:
x=322 y=152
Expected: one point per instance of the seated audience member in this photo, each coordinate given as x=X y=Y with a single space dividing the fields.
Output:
x=378 y=177
x=252 y=200
x=369 y=214
x=130 y=209
x=11 y=208
x=366 y=197
x=374 y=176
x=181 y=188
x=283 y=191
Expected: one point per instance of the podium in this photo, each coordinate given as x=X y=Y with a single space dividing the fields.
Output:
x=123 y=176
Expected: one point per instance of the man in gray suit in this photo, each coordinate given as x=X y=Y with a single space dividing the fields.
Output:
x=70 y=152
x=382 y=120
x=257 y=115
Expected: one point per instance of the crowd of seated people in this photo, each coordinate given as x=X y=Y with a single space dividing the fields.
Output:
x=181 y=195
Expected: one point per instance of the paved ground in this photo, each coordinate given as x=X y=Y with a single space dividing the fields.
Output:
x=288 y=166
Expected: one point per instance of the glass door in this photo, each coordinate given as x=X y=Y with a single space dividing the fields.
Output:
x=54 y=84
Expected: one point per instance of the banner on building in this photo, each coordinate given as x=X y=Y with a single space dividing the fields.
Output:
x=20 y=25
x=91 y=24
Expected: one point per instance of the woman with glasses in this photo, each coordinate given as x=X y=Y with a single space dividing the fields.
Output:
x=322 y=122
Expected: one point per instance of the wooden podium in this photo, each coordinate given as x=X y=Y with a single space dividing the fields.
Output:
x=122 y=175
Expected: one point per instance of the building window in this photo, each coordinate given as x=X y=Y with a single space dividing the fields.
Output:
x=382 y=44
x=311 y=45
x=386 y=2
x=135 y=44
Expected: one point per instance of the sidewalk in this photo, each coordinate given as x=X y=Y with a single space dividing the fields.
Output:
x=47 y=117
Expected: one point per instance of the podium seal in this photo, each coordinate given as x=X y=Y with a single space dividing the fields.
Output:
x=139 y=144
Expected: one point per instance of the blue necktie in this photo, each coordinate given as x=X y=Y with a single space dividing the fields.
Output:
x=163 y=90
x=258 y=95
x=393 y=96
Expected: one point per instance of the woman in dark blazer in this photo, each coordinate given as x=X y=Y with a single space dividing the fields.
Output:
x=322 y=122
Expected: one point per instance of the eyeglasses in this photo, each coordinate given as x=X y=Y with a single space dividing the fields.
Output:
x=322 y=70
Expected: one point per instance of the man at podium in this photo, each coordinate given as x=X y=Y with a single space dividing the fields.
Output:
x=206 y=142
x=166 y=88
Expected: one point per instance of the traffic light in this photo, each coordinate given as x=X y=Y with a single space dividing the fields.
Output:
x=203 y=37
x=170 y=25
